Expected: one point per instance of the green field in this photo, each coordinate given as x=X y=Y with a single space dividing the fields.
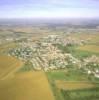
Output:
x=82 y=94
x=26 y=67
x=69 y=75
x=91 y=46
x=66 y=84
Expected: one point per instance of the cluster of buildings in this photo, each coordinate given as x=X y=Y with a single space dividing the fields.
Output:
x=92 y=65
x=44 y=55
x=57 y=39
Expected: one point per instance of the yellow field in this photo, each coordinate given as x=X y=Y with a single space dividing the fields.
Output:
x=7 y=46
x=8 y=65
x=73 y=85
x=90 y=48
x=26 y=86
x=86 y=36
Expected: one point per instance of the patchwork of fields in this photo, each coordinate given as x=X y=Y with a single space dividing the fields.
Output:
x=29 y=85
x=78 y=90
x=19 y=80
x=73 y=85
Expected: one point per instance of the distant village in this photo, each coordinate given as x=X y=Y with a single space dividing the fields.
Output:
x=45 y=55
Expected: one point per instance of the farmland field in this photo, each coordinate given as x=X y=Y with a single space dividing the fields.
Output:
x=89 y=48
x=5 y=47
x=8 y=65
x=81 y=94
x=68 y=75
x=74 y=85
x=78 y=90
x=67 y=84
x=26 y=86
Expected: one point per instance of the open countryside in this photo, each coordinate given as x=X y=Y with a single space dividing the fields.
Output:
x=50 y=66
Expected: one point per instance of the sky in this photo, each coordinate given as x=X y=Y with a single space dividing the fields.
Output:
x=49 y=8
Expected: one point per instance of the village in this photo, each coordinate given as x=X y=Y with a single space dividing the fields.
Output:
x=45 y=55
